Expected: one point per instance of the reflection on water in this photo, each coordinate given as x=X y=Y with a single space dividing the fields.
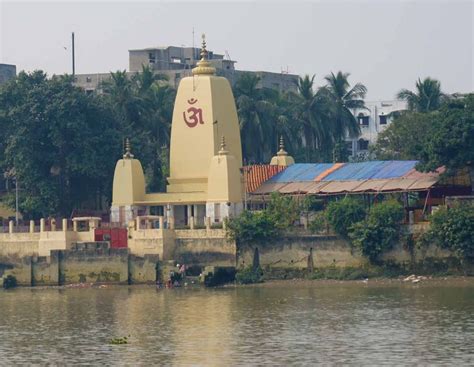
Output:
x=281 y=324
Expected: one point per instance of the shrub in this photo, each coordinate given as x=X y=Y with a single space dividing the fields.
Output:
x=251 y=227
x=317 y=223
x=344 y=213
x=283 y=211
x=453 y=229
x=9 y=282
x=249 y=275
x=379 y=231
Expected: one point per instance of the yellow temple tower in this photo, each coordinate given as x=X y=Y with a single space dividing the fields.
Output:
x=205 y=174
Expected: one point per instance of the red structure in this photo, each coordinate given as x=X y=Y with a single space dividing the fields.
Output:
x=117 y=237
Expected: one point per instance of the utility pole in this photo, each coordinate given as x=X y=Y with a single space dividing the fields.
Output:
x=16 y=201
x=73 y=57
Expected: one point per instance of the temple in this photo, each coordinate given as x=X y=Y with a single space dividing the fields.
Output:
x=206 y=178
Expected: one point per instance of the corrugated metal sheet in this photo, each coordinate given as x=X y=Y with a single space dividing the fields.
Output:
x=355 y=171
x=254 y=176
x=313 y=171
x=339 y=187
x=423 y=183
x=269 y=187
x=292 y=172
x=394 y=169
x=370 y=186
x=330 y=170
x=315 y=187
x=398 y=184
x=295 y=187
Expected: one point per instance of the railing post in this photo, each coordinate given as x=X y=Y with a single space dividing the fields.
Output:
x=137 y=223
x=160 y=221
x=42 y=225
x=64 y=225
x=171 y=222
x=74 y=225
x=191 y=222
x=32 y=226
x=53 y=225
x=207 y=221
x=10 y=226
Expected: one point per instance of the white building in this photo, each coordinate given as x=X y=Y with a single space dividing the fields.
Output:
x=373 y=121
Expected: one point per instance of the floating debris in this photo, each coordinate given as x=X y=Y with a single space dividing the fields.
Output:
x=414 y=278
x=119 y=341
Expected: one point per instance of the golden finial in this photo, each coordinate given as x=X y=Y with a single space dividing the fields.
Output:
x=204 y=67
x=282 y=147
x=128 y=149
x=223 y=151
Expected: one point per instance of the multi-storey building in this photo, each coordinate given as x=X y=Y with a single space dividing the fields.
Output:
x=7 y=72
x=177 y=63
x=372 y=121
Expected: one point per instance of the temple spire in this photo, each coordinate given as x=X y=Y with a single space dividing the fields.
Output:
x=204 y=67
x=128 y=150
x=282 y=150
x=223 y=150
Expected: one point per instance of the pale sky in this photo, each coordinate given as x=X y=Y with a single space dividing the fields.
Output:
x=386 y=45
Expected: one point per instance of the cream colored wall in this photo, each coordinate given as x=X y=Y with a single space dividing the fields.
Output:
x=192 y=148
x=129 y=182
x=19 y=244
x=224 y=180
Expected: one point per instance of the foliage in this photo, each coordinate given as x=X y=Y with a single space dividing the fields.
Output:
x=428 y=96
x=379 y=231
x=342 y=214
x=249 y=275
x=317 y=223
x=283 y=211
x=441 y=138
x=251 y=227
x=9 y=282
x=453 y=229
x=57 y=142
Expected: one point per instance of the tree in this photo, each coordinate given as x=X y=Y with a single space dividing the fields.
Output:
x=344 y=100
x=342 y=214
x=58 y=141
x=428 y=96
x=255 y=117
x=311 y=111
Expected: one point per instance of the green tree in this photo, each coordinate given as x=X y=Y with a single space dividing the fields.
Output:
x=255 y=112
x=345 y=99
x=380 y=231
x=311 y=114
x=427 y=97
x=58 y=142
x=342 y=214
x=453 y=229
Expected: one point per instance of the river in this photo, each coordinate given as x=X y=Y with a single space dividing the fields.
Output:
x=283 y=323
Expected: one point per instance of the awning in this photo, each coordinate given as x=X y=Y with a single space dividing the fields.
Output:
x=339 y=187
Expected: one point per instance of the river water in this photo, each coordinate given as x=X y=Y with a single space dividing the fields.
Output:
x=286 y=323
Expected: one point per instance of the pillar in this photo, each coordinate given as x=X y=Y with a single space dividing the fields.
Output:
x=74 y=225
x=137 y=223
x=42 y=225
x=224 y=222
x=171 y=222
x=53 y=224
x=10 y=226
x=32 y=226
x=191 y=222
x=160 y=221
x=207 y=221
x=64 y=225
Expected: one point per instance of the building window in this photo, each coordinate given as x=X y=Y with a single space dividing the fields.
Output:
x=383 y=119
x=88 y=79
x=363 y=144
x=363 y=120
x=151 y=58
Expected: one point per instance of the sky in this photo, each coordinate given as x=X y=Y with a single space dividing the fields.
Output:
x=386 y=45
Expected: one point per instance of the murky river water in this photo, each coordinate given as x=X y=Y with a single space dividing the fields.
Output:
x=278 y=324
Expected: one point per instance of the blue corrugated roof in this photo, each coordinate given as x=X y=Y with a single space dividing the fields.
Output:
x=304 y=172
x=301 y=172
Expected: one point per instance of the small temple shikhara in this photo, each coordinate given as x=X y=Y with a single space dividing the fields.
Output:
x=206 y=179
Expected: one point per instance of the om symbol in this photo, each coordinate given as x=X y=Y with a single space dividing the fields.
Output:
x=194 y=115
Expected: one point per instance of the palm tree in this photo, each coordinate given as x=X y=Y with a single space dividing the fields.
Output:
x=428 y=95
x=344 y=100
x=255 y=110
x=311 y=115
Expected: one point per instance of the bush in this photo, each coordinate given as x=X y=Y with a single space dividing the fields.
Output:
x=251 y=227
x=318 y=223
x=379 y=231
x=344 y=213
x=249 y=275
x=283 y=211
x=453 y=229
x=9 y=282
